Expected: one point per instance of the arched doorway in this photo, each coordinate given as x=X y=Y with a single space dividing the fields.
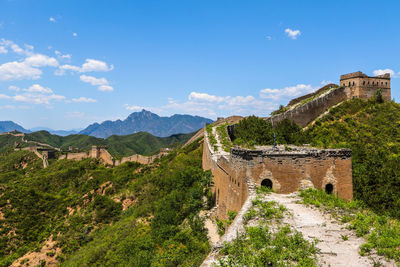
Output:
x=267 y=183
x=329 y=188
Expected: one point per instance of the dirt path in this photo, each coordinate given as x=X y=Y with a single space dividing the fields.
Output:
x=312 y=223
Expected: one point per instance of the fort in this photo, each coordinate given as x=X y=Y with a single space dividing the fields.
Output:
x=359 y=85
x=305 y=109
x=288 y=169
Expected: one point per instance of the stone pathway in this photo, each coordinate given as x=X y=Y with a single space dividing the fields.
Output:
x=313 y=224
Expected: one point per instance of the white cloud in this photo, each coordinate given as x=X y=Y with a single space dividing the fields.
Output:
x=39 y=60
x=35 y=94
x=292 y=33
x=37 y=88
x=90 y=65
x=133 y=108
x=13 y=88
x=52 y=19
x=27 y=69
x=286 y=92
x=95 y=65
x=212 y=106
x=83 y=100
x=3 y=50
x=102 y=83
x=62 y=56
x=74 y=34
x=106 y=88
x=392 y=73
x=38 y=98
x=3 y=96
x=268 y=37
x=17 y=71
x=194 y=96
x=16 y=48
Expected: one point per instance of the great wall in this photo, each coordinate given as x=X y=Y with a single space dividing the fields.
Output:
x=285 y=169
x=46 y=152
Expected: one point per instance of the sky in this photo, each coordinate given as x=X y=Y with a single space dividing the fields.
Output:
x=65 y=64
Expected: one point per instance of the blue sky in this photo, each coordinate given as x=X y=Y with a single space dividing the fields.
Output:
x=65 y=64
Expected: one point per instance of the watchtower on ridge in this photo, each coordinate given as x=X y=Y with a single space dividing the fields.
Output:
x=359 y=85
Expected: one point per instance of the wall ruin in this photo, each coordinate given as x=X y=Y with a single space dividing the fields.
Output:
x=101 y=153
x=289 y=171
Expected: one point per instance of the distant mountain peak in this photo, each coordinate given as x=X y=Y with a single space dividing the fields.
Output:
x=146 y=121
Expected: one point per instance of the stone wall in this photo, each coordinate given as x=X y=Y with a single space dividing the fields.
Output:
x=306 y=113
x=299 y=168
x=301 y=98
x=230 y=188
x=102 y=154
x=289 y=171
x=360 y=85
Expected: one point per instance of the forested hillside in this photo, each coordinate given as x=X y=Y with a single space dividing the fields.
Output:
x=139 y=143
x=372 y=130
x=130 y=215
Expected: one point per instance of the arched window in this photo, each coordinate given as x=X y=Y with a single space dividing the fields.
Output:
x=363 y=82
x=354 y=83
x=267 y=183
x=329 y=188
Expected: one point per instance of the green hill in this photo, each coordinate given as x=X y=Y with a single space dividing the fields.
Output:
x=372 y=130
x=118 y=145
x=130 y=215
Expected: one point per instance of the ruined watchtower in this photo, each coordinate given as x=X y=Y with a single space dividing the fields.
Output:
x=359 y=85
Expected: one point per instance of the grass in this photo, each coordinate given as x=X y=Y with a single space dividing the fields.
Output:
x=211 y=137
x=382 y=233
x=268 y=244
x=224 y=137
x=224 y=224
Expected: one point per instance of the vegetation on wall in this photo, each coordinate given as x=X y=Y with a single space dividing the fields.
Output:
x=130 y=215
x=268 y=242
x=224 y=137
x=371 y=128
x=257 y=131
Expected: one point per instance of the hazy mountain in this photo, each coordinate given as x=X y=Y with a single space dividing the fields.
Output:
x=57 y=132
x=8 y=126
x=145 y=121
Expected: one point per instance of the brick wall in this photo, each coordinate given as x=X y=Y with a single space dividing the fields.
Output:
x=306 y=113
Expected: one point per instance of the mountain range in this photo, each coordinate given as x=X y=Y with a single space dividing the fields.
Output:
x=143 y=121
x=146 y=121
x=9 y=126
